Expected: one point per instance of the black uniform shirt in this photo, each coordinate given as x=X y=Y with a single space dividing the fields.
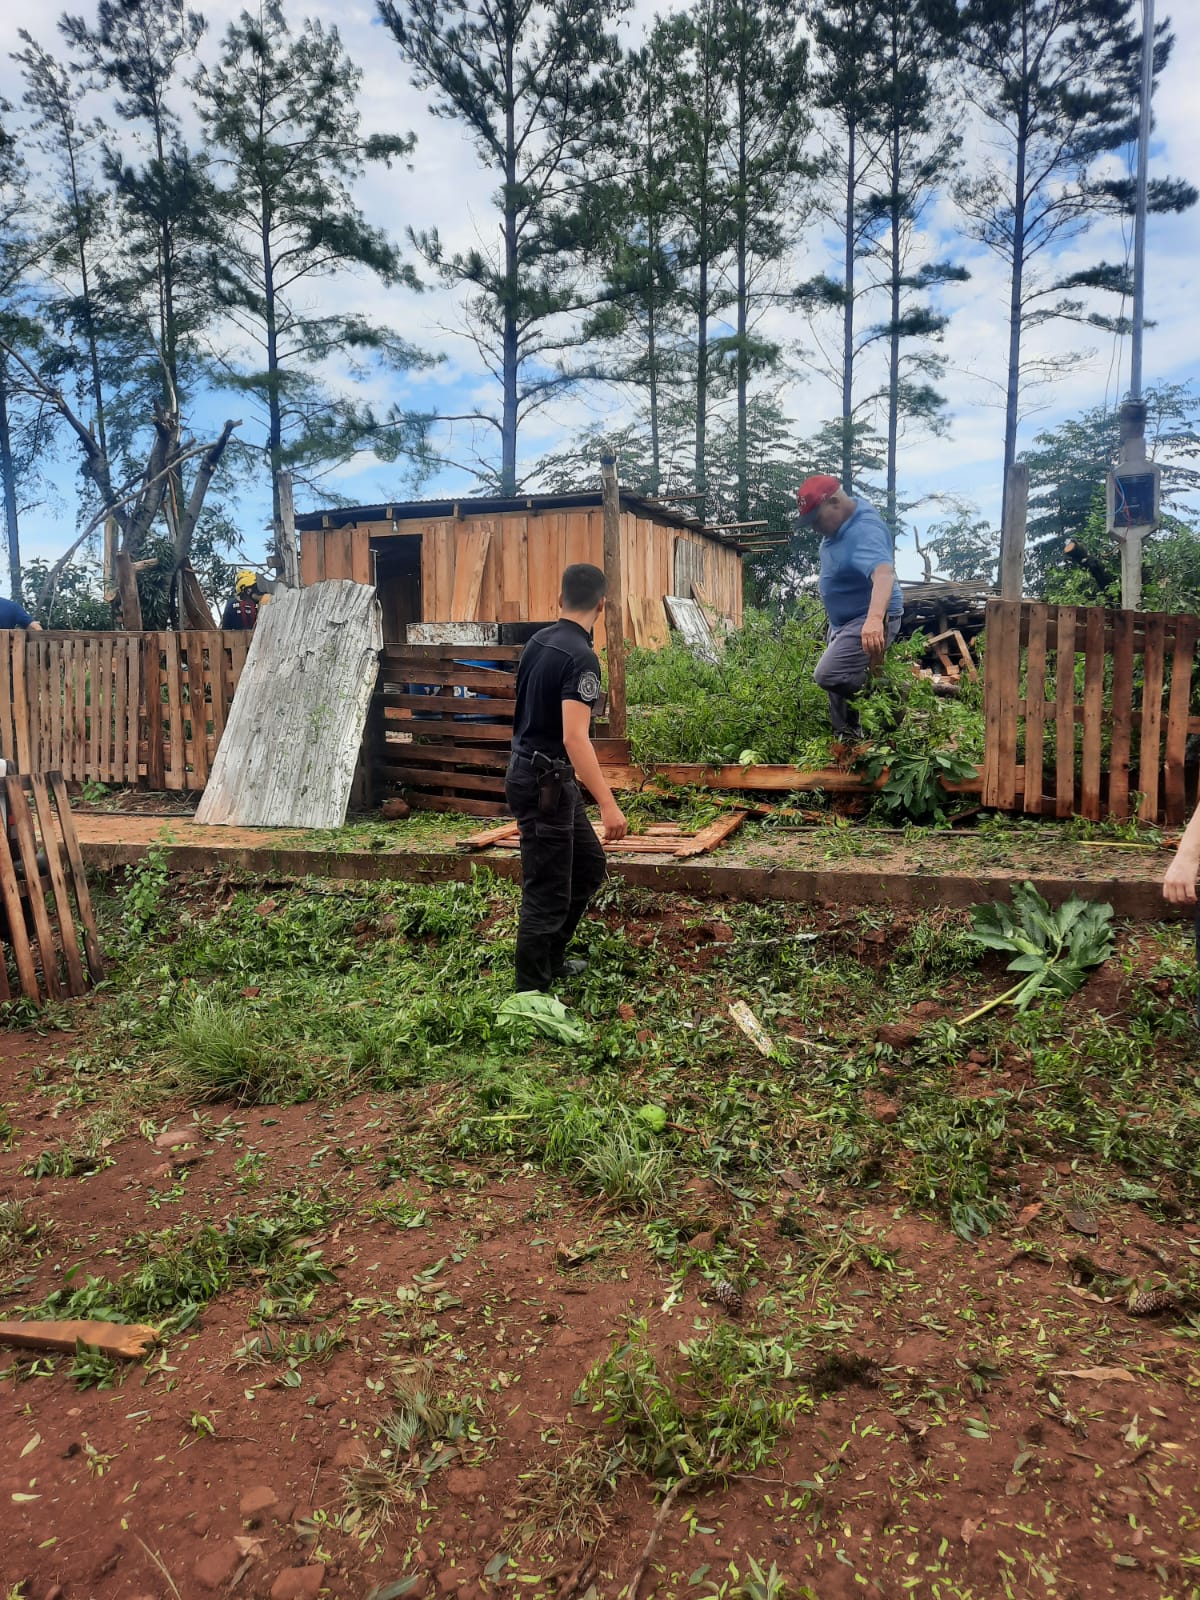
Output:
x=557 y=664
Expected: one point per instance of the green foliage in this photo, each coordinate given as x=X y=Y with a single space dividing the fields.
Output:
x=915 y=786
x=145 y=886
x=216 y=1052
x=1056 y=948
x=530 y=1012
x=718 y=1410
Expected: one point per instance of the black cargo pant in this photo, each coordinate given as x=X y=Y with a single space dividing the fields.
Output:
x=562 y=866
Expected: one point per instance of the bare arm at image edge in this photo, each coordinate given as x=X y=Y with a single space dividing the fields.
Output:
x=577 y=722
x=1179 y=885
x=874 y=633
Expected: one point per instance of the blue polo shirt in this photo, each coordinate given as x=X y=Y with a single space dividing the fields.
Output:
x=12 y=615
x=862 y=543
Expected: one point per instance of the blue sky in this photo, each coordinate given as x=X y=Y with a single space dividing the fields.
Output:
x=446 y=188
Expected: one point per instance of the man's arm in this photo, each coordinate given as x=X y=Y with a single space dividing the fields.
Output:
x=577 y=722
x=874 y=634
x=1179 y=885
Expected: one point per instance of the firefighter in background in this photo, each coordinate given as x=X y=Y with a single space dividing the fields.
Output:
x=249 y=593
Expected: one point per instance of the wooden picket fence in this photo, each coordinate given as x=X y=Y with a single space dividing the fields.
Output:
x=1088 y=711
x=118 y=707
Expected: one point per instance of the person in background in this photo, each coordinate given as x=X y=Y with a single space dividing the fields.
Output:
x=562 y=861
x=14 y=616
x=859 y=591
x=1179 y=885
x=241 y=609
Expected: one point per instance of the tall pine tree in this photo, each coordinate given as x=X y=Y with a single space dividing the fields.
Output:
x=1058 y=84
x=532 y=81
x=282 y=120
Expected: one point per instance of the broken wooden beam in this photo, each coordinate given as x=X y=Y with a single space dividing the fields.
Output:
x=127 y=1340
x=709 y=838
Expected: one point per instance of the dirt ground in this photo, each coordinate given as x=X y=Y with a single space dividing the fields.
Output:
x=981 y=1418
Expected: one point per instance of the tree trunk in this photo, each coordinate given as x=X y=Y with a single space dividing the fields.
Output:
x=1016 y=294
x=131 y=601
x=893 y=421
x=848 y=317
x=510 y=335
x=743 y=358
x=8 y=478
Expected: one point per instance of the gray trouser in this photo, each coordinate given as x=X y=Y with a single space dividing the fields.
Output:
x=844 y=668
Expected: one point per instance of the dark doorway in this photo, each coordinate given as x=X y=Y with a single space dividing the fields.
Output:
x=398 y=583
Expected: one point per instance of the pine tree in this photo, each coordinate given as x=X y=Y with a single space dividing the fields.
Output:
x=847 y=42
x=137 y=48
x=533 y=84
x=281 y=117
x=1057 y=82
x=766 y=63
x=915 y=156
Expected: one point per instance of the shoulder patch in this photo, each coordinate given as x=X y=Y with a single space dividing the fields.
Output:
x=589 y=686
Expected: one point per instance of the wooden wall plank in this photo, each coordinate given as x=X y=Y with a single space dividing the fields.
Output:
x=1178 y=707
x=1064 y=673
x=1093 y=714
x=337 y=553
x=1149 y=753
x=58 y=882
x=8 y=727
x=22 y=695
x=197 y=709
x=1035 y=710
x=1121 y=715
x=360 y=555
x=176 y=766
x=470 y=557
x=22 y=821
x=83 y=899
x=156 y=772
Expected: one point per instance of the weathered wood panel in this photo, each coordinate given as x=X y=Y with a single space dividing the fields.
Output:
x=294 y=728
x=1046 y=669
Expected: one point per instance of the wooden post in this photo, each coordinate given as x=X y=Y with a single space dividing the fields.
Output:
x=1012 y=533
x=289 y=556
x=614 y=608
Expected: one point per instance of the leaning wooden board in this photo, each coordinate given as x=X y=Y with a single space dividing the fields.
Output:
x=292 y=737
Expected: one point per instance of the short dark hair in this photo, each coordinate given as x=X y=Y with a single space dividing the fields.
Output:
x=583 y=587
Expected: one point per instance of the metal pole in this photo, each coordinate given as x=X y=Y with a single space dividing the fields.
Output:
x=1139 y=215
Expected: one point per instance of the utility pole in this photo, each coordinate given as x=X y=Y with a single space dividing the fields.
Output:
x=1133 y=488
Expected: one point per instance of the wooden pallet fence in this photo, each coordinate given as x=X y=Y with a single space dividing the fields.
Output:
x=1088 y=711
x=443 y=727
x=52 y=943
x=118 y=708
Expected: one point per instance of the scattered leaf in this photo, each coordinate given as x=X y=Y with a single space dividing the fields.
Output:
x=1082 y=1222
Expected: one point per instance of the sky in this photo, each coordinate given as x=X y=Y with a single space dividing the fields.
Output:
x=446 y=188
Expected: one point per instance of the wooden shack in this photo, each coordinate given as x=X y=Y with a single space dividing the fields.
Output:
x=500 y=560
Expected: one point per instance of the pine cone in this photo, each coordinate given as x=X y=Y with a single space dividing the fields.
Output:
x=728 y=1297
x=1150 y=1301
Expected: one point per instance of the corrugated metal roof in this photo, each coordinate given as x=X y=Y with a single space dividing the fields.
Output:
x=425 y=510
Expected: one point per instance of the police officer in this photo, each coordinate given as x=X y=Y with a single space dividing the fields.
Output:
x=562 y=862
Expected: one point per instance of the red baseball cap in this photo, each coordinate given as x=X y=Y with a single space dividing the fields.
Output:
x=812 y=493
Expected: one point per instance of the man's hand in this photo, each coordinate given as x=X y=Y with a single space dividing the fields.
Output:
x=1179 y=885
x=874 y=639
x=613 y=821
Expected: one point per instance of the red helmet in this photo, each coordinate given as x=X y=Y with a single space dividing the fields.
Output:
x=813 y=493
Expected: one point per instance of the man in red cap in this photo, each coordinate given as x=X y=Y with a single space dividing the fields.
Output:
x=858 y=589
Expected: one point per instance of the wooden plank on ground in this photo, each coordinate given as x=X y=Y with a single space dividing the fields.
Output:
x=83 y=899
x=22 y=823
x=490 y=836
x=1178 y=705
x=294 y=729
x=58 y=882
x=1064 y=672
x=1121 y=715
x=470 y=558
x=1093 y=714
x=130 y=1340
x=1035 y=709
x=1153 y=663
x=710 y=837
